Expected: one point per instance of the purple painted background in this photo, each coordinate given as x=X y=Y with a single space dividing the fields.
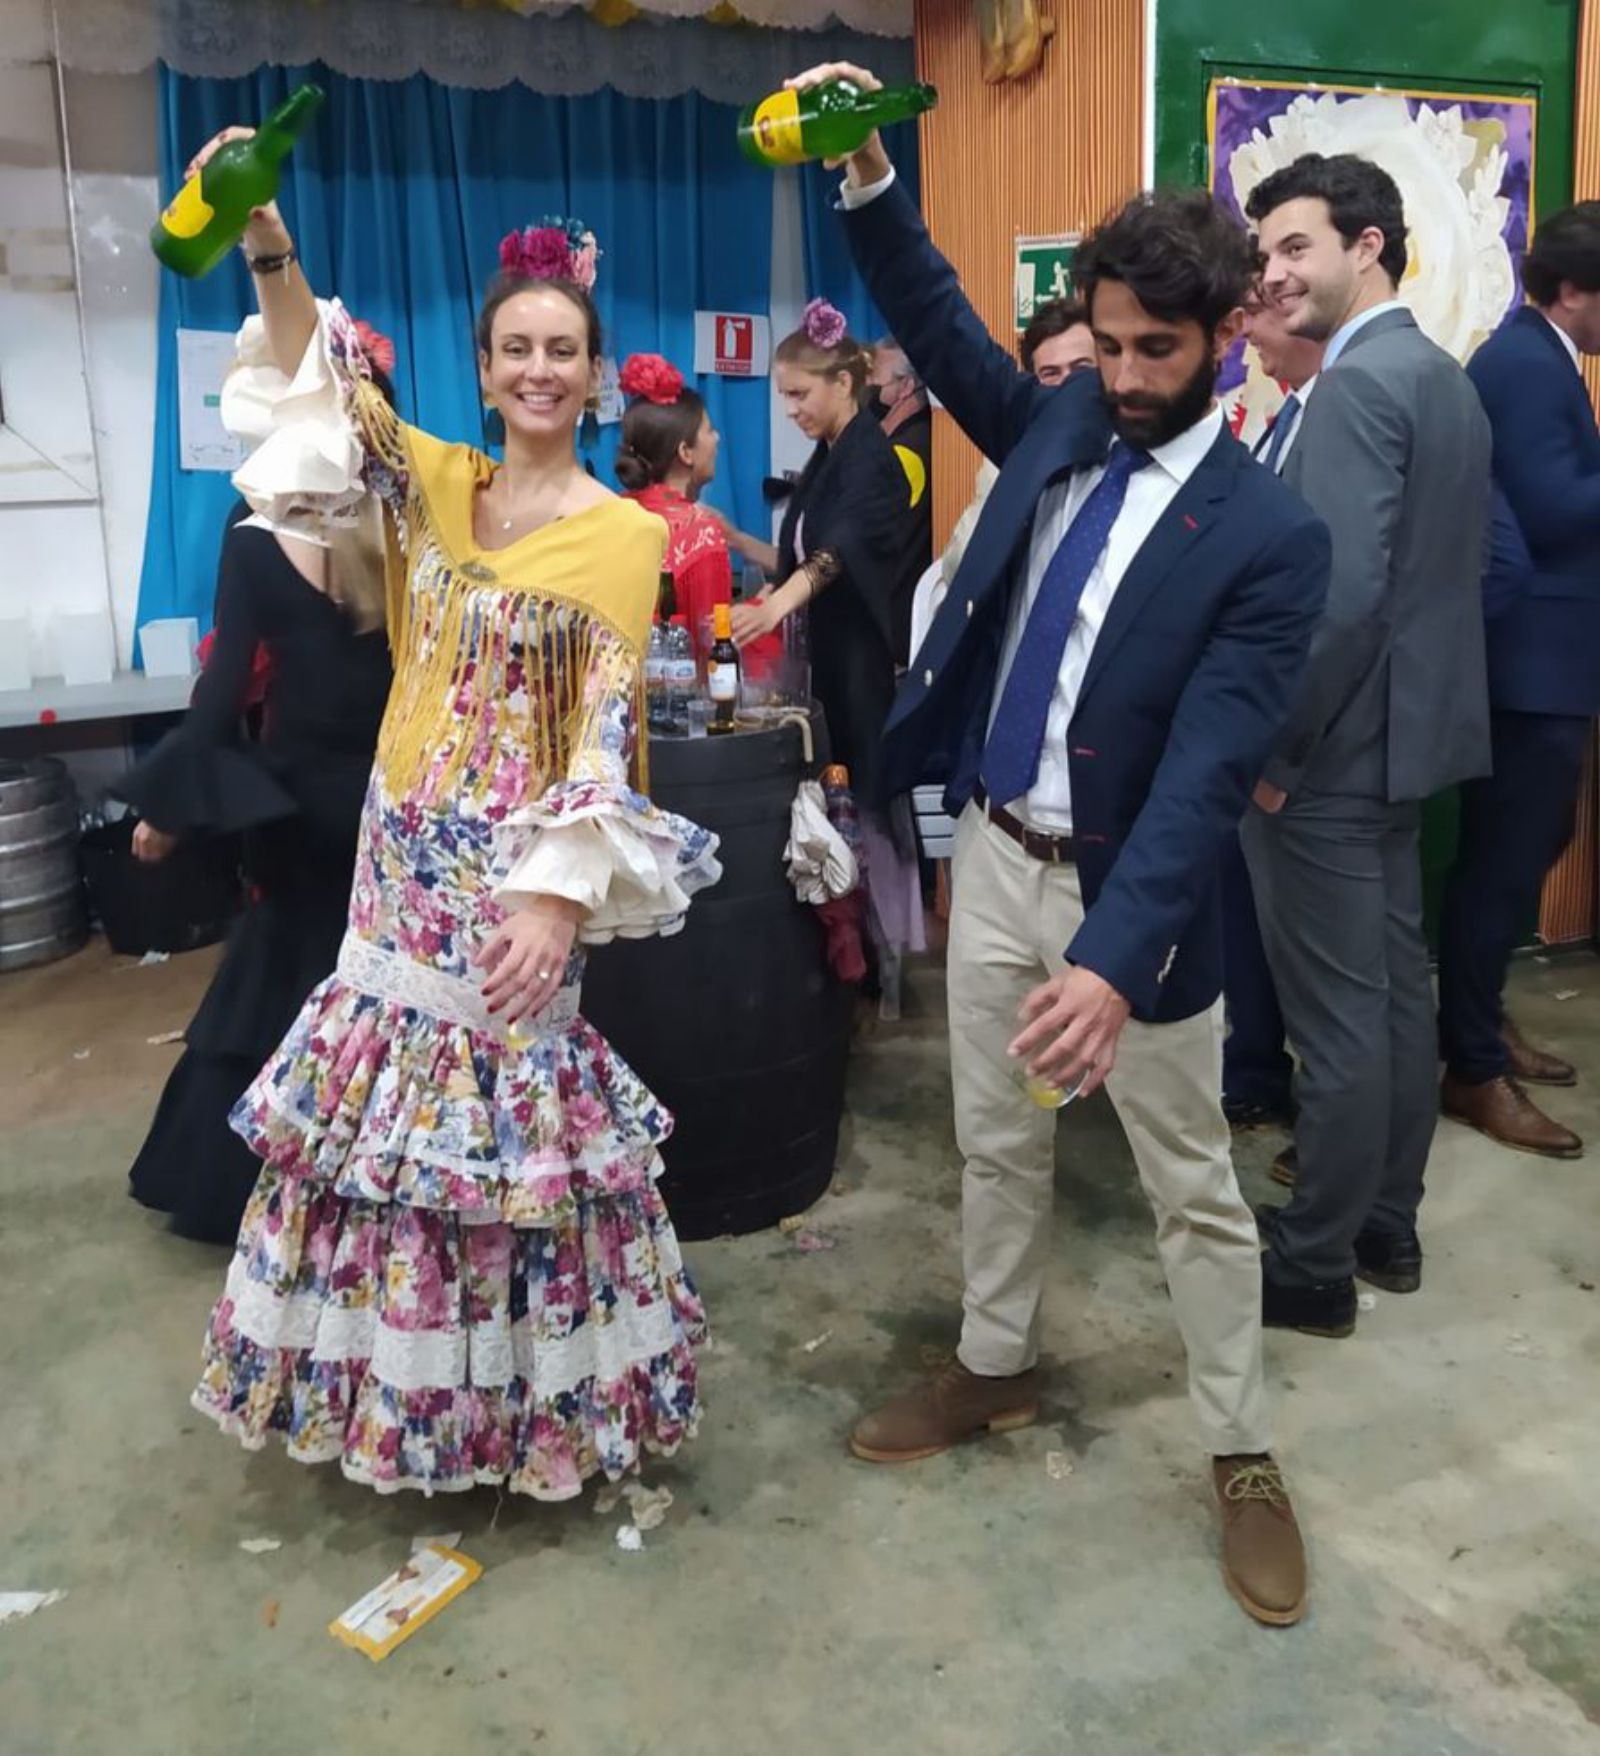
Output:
x=1242 y=110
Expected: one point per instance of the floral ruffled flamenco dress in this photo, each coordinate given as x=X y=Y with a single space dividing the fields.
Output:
x=456 y=1267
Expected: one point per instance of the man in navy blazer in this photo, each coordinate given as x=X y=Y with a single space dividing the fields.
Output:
x=1542 y=607
x=1107 y=673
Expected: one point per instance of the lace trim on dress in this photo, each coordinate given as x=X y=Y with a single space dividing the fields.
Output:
x=630 y=1334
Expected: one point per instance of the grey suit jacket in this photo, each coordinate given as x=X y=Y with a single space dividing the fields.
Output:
x=1393 y=453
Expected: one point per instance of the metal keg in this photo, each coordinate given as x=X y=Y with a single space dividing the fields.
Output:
x=42 y=915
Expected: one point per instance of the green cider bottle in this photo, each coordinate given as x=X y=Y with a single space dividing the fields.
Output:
x=827 y=122
x=208 y=215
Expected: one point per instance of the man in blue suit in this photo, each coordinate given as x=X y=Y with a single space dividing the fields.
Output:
x=1542 y=603
x=1107 y=673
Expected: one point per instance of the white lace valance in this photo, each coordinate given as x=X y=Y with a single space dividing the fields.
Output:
x=561 y=53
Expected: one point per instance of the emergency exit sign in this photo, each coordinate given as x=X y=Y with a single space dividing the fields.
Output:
x=1043 y=272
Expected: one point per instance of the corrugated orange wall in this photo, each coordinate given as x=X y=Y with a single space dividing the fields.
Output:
x=1569 y=907
x=1050 y=153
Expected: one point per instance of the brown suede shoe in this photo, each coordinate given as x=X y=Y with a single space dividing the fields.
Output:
x=1263 y=1558
x=1501 y=1109
x=1534 y=1066
x=955 y=1405
x=1285 y=1167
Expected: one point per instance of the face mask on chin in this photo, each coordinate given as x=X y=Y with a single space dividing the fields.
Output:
x=876 y=404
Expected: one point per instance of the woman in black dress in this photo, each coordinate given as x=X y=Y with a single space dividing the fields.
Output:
x=840 y=554
x=295 y=792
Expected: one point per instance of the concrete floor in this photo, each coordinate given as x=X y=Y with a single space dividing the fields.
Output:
x=796 y=1601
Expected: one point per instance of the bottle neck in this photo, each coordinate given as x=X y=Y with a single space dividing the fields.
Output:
x=278 y=133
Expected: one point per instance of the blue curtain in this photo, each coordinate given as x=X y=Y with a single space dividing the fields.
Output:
x=830 y=273
x=397 y=202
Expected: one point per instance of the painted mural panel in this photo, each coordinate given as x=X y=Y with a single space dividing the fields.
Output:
x=1464 y=165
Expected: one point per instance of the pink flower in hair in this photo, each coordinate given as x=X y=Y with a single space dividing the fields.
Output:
x=555 y=249
x=546 y=254
x=824 y=325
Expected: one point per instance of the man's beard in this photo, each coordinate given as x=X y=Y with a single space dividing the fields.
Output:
x=1148 y=421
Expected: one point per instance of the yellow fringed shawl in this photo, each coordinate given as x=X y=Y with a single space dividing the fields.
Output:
x=574 y=595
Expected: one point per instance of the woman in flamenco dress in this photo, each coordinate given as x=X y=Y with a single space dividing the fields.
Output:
x=456 y=1267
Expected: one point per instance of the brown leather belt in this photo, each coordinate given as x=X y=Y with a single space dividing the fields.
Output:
x=1054 y=850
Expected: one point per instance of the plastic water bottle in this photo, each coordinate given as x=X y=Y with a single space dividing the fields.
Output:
x=681 y=675
x=655 y=682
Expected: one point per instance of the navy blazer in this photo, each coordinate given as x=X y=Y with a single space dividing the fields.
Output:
x=1544 y=643
x=1190 y=678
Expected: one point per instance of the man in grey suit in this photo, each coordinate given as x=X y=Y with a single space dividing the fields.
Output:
x=1393 y=453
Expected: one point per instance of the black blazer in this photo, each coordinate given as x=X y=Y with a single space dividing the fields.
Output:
x=852 y=496
x=1195 y=664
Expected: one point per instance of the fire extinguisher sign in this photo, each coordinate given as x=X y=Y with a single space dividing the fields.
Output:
x=733 y=344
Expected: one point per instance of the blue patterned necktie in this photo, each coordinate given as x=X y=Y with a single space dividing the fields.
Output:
x=1011 y=756
x=1282 y=427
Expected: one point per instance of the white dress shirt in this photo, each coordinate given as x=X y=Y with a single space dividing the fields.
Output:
x=1340 y=339
x=1048 y=804
x=1566 y=340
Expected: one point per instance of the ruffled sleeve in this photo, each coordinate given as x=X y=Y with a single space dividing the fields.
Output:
x=320 y=441
x=203 y=776
x=594 y=839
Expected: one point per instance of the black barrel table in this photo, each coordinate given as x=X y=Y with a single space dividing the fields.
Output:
x=737 y=1023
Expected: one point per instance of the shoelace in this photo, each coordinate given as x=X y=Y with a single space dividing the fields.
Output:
x=1258 y=1481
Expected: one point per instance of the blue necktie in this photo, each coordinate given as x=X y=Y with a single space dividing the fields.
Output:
x=1011 y=756
x=1281 y=429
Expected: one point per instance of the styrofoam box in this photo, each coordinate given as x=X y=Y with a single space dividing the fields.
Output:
x=167 y=647
x=84 y=646
x=16 y=668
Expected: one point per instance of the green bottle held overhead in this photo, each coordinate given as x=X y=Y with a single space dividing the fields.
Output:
x=827 y=122
x=208 y=215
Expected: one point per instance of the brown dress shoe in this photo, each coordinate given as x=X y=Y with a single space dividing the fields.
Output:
x=1263 y=1558
x=1501 y=1109
x=1534 y=1066
x=1285 y=1167
x=955 y=1405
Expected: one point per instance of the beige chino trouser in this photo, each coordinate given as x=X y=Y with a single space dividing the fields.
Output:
x=1011 y=918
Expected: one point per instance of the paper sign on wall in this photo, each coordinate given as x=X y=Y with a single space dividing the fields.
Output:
x=205 y=358
x=611 y=404
x=1043 y=272
x=732 y=344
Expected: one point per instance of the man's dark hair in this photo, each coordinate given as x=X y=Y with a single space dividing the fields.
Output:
x=1054 y=318
x=1566 y=247
x=1178 y=252
x=1361 y=196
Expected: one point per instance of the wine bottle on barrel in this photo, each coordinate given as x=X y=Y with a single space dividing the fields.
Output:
x=722 y=671
x=208 y=215
x=828 y=121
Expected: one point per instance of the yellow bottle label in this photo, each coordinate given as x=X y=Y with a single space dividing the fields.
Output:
x=189 y=213
x=776 y=126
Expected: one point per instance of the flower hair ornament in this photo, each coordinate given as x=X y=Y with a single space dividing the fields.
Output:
x=824 y=325
x=651 y=377
x=555 y=249
x=377 y=347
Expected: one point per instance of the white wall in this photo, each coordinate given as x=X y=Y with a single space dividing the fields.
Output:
x=111 y=134
x=78 y=278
